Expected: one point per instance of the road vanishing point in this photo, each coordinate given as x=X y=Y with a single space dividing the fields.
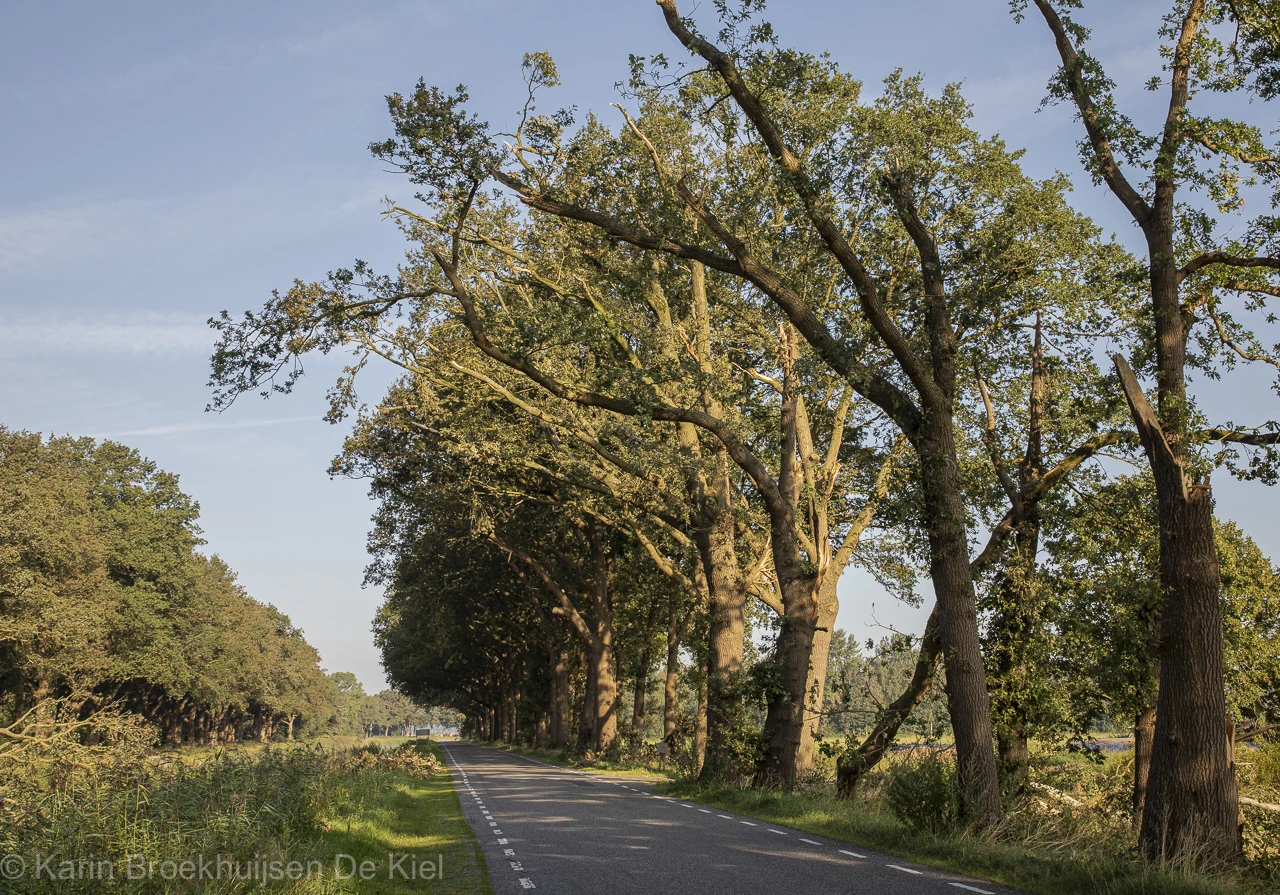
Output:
x=560 y=830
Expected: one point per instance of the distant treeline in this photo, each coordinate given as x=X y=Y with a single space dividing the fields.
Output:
x=105 y=599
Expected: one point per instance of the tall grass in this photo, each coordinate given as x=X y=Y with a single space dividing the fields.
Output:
x=114 y=810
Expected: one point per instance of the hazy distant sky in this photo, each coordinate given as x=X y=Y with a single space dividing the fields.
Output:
x=164 y=160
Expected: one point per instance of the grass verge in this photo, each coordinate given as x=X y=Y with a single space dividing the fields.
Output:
x=414 y=817
x=1054 y=869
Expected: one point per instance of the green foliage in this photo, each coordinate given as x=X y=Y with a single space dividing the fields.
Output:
x=1104 y=569
x=860 y=686
x=103 y=595
x=923 y=791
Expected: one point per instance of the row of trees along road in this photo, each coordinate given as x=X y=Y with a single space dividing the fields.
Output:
x=105 y=601
x=662 y=376
x=385 y=713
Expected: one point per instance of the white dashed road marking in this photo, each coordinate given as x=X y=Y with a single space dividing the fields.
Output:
x=527 y=883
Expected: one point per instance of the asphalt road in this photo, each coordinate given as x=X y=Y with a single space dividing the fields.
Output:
x=558 y=830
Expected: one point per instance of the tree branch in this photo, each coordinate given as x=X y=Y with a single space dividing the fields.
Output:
x=1073 y=70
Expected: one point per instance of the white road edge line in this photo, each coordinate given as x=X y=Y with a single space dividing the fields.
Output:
x=852 y=854
x=704 y=810
x=906 y=869
x=810 y=841
x=779 y=832
x=972 y=888
x=725 y=816
x=748 y=823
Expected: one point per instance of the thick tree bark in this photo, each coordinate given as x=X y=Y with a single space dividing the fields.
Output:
x=967 y=698
x=816 y=686
x=797 y=580
x=600 y=647
x=701 y=726
x=1192 y=797
x=785 y=716
x=726 y=630
x=1192 y=801
x=606 y=698
x=1144 y=732
x=559 y=699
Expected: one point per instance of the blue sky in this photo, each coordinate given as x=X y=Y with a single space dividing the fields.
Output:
x=167 y=160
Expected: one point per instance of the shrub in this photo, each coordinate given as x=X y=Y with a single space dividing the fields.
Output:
x=923 y=791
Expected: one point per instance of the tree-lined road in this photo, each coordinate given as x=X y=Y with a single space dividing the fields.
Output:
x=560 y=830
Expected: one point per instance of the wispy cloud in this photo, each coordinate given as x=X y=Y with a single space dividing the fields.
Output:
x=203 y=425
x=78 y=228
x=70 y=332
x=75 y=226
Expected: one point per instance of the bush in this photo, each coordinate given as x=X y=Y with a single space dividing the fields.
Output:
x=1264 y=767
x=923 y=791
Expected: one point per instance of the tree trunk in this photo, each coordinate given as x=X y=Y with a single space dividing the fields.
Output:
x=606 y=698
x=816 y=688
x=670 y=695
x=726 y=629
x=785 y=717
x=1192 y=799
x=701 y=727
x=1013 y=623
x=642 y=678
x=587 y=717
x=559 y=700
x=967 y=698
x=638 y=706
x=600 y=649
x=1144 y=731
